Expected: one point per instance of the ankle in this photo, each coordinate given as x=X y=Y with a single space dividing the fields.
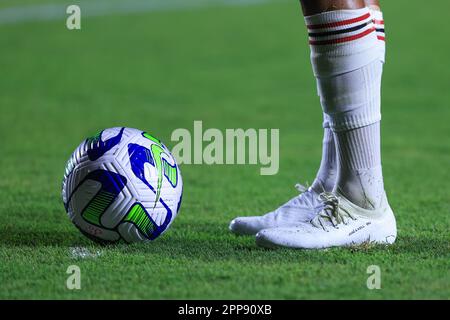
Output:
x=324 y=183
x=362 y=187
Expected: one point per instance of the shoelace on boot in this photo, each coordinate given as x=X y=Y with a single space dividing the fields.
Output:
x=331 y=212
x=301 y=188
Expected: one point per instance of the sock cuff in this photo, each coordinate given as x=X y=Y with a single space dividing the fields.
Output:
x=337 y=18
x=378 y=22
x=341 y=41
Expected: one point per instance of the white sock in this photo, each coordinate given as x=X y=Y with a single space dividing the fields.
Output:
x=360 y=178
x=347 y=63
x=326 y=176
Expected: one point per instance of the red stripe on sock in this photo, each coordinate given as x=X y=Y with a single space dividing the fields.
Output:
x=339 y=23
x=341 y=40
x=381 y=38
x=378 y=21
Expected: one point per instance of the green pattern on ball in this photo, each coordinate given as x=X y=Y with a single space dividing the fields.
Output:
x=141 y=220
x=97 y=207
x=170 y=172
x=95 y=138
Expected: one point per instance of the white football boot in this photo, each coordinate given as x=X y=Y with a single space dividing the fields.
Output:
x=339 y=223
x=300 y=209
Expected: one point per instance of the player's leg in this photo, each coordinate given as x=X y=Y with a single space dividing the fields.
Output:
x=360 y=176
x=326 y=175
x=303 y=207
x=312 y=7
x=347 y=57
x=373 y=4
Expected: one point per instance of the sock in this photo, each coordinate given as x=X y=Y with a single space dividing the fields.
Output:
x=326 y=176
x=347 y=63
x=360 y=177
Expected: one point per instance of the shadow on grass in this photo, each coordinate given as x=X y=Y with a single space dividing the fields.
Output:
x=32 y=238
x=225 y=247
x=214 y=243
x=422 y=245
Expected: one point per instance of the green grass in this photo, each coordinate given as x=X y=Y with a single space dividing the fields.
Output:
x=233 y=67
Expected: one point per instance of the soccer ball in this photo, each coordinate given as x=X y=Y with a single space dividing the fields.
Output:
x=122 y=183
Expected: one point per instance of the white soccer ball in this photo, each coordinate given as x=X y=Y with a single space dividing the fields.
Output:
x=122 y=183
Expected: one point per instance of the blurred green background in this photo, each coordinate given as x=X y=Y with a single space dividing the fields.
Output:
x=159 y=65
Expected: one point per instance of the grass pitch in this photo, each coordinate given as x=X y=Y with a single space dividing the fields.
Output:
x=231 y=67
